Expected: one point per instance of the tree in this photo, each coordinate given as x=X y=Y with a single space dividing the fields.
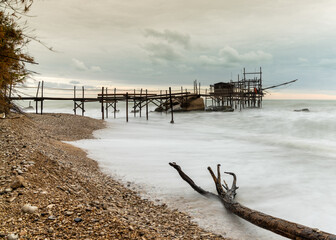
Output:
x=13 y=42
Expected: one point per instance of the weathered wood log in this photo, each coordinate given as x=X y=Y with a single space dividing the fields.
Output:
x=277 y=225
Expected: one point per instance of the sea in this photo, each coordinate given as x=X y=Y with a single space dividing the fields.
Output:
x=285 y=161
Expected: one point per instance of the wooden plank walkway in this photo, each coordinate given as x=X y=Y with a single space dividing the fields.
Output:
x=243 y=93
x=140 y=100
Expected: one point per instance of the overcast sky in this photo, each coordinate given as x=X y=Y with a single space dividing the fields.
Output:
x=171 y=43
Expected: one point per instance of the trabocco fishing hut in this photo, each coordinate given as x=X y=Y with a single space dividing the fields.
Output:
x=243 y=93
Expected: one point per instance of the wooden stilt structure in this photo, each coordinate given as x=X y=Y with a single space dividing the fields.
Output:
x=243 y=93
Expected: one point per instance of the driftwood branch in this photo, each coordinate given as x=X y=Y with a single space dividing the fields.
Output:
x=186 y=178
x=277 y=225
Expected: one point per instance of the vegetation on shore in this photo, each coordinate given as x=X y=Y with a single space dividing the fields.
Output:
x=13 y=48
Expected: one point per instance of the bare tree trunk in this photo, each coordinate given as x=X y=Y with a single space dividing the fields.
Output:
x=277 y=225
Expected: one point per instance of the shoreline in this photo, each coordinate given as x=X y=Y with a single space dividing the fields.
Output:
x=74 y=198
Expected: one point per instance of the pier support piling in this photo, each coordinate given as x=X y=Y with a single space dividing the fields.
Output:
x=146 y=105
x=83 y=100
x=126 y=106
x=171 y=106
x=42 y=97
x=102 y=103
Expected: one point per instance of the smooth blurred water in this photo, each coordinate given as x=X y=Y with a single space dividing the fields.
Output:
x=285 y=161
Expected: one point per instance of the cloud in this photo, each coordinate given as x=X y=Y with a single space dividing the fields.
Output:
x=161 y=51
x=150 y=72
x=230 y=57
x=60 y=85
x=170 y=37
x=79 y=65
x=231 y=54
x=95 y=69
x=185 y=68
x=74 y=82
x=327 y=63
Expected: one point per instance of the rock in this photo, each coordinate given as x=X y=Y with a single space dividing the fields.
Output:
x=104 y=206
x=78 y=220
x=219 y=109
x=8 y=190
x=12 y=236
x=18 y=182
x=302 y=110
x=50 y=206
x=68 y=213
x=96 y=204
x=52 y=217
x=27 y=208
x=11 y=199
x=195 y=104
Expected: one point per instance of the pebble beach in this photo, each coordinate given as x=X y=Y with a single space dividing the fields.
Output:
x=52 y=190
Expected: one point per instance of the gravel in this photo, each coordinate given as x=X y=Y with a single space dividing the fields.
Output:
x=66 y=195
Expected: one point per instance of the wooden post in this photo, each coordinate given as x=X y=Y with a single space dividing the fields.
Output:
x=134 y=104
x=106 y=104
x=206 y=97
x=260 y=89
x=126 y=106
x=115 y=103
x=186 y=96
x=195 y=86
x=102 y=103
x=166 y=102
x=199 y=88
x=42 y=97
x=240 y=94
x=249 y=94
x=37 y=92
x=161 y=100
x=83 y=110
x=146 y=105
x=182 y=95
x=140 y=107
x=75 y=107
x=171 y=106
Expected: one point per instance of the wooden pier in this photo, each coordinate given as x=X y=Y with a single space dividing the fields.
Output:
x=246 y=92
x=136 y=100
